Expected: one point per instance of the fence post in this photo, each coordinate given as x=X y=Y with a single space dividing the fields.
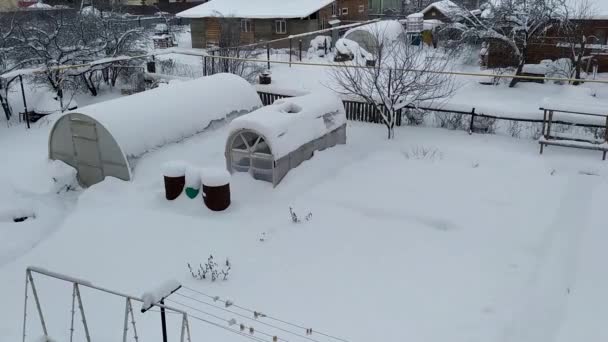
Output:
x=204 y=65
x=27 y=113
x=212 y=62
x=300 y=46
x=325 y=46
x=139 y=21
x=268 y=56
x=472 y=121
x=290 y=49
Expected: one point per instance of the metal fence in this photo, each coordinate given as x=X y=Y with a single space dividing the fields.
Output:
x=355 y=110
x=471 y=121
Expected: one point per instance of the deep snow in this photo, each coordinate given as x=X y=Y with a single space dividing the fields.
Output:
x=434 y=236
x=478 y=241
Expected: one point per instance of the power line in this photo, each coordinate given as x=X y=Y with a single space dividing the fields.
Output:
x=228 y=329
x=249 y=318
x=218 y=299
x=455 y=73
x=227 y=320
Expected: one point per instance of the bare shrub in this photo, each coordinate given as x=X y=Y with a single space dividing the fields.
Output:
x=449 y=120
x=414 y=116
x=423 y=153
x=211 y=270
x=514 y=129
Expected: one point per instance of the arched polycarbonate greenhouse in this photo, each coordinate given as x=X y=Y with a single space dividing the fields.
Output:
x=106 y=139
x=272 y=140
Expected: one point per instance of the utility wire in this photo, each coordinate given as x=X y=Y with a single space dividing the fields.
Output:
x=249 y=318
x=224 y=319
x=228 y=329
x=261 y=315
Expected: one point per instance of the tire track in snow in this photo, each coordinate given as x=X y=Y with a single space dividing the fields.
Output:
x=544 y=297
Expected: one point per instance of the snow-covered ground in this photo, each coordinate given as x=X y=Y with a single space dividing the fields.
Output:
x=482 y=240
x=437 y=235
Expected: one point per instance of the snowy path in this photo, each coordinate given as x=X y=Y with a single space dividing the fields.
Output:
x=544 y=297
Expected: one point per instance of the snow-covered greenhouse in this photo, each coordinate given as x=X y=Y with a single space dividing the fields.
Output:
x=274 y=139
x=106 y=139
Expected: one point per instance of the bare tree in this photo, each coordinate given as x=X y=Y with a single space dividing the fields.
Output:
x=575 y=36
x=517 y=23
x=232 y=47
x=57 y=40
x=404 y=75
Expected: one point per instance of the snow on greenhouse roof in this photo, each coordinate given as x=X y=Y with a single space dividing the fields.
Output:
x=390 y=30
x=448 y=8
x=145 y=121
x=292 y=122
x=256 y=9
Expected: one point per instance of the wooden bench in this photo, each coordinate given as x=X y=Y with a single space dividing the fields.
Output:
x=549 y=138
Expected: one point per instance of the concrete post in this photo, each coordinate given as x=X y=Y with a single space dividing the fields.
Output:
x=334 y=22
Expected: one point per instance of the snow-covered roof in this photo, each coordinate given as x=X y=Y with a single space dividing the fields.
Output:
x=148 y=120
x=90 y=10
x=390 y=30
x=600 y=9
x=447 y=8
x=40 y=5
x=292 y=122
x=256 y=9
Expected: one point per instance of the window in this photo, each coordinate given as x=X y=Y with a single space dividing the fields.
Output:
x=246 y=25
x=280 y=26
x=345 y=11
x=361 y=8
x=334 y=9
x=600 y=36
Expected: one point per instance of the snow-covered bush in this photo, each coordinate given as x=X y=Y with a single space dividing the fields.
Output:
x=211 y=270
x=560 y=68
x=318 y=45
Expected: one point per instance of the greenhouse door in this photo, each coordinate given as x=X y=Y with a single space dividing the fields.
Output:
x=86 y=151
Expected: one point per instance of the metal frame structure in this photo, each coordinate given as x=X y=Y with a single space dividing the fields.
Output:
x=77 y=299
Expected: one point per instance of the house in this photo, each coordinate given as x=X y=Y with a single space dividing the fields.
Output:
x=553 y=46
x=402 y=8
x=351 y=10
x=246 y=21
x=446 y=11
x=382 y=7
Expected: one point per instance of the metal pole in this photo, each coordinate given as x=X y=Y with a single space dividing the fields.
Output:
x=25 y=305
x=268 y=55
x=126 y=324
x=212 y=62
x=300 y=46
x=84 y=319
x=187 y=328
x=27 y=113
x=132 y=319
x=163 y=320
x=290 y=52
x=73 y=312
x=471 y=125
x=183 y=331
x=29 y=274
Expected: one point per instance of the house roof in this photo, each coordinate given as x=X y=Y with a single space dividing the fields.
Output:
x=447 y=8
x=256 y=9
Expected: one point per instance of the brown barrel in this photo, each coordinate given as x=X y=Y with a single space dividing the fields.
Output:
x=217 y=198
x=174 y=186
